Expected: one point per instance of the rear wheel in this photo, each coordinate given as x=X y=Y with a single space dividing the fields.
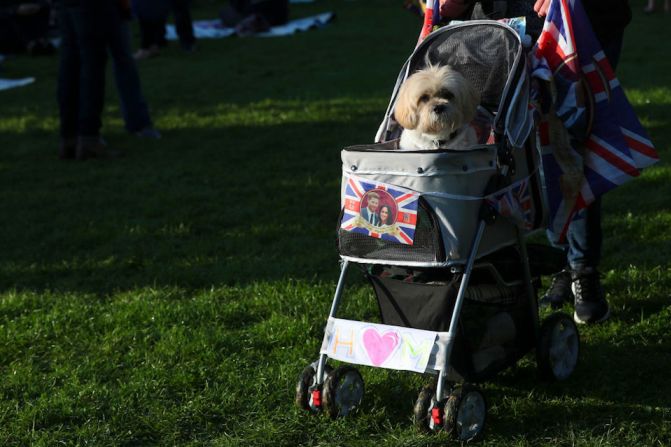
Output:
x=558 y=347
x=343 y=391
x=465 y=413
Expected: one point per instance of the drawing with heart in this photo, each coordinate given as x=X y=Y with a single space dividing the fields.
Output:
x=379 y=347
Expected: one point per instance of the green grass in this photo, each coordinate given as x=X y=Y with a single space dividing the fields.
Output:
x=172 y=297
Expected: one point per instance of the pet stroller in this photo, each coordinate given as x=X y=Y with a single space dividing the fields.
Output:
x=455 y=281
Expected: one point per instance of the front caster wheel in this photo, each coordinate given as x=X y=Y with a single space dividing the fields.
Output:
x=558 y=347
x=343 y=391
x=465 y=413
x=423 y=413
x=305 y=381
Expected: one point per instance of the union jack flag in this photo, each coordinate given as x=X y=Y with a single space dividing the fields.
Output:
x=605 y=138
x=514 y=202
x=379 y=210
x=431 y=19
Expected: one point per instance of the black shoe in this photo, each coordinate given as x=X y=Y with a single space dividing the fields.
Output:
x=149 y=132
x=559 y=291
x=67 y=149
x=94 y=147
x=590 y=302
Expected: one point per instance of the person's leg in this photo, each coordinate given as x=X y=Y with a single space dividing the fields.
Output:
x=150 y=35
x=133 y=106
x=183 y=23
x=68 y=85
x=160 y=37
x=275 y=12
x=10 y=36
x=585 y=234
x=92 y=44
x=583 y=248
x=585 y=239
x=650 y=7
x=33 y=28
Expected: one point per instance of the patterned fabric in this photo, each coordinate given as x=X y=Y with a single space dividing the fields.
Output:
x=591 y=139
x=379 y=210
x=514 y=203
x=431 y=19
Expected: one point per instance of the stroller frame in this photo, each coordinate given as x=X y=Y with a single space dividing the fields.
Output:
x=449 y=337
x=338 y=392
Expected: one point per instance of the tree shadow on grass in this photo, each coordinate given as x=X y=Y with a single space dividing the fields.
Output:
x=201 y=207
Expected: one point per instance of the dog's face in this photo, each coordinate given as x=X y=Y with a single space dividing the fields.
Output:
x=436 y=101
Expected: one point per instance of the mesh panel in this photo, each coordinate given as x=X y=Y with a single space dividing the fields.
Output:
x=484 y=54
x=427 y=245
x=494 y=294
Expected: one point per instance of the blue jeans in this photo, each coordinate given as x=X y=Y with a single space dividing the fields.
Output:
x=81 y=75
x=585 y=236
x=133 y=106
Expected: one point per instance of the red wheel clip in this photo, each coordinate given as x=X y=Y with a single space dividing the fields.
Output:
x=437 y=415
x=316 y=398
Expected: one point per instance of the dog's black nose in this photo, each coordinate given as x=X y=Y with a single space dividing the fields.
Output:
x=439 y=108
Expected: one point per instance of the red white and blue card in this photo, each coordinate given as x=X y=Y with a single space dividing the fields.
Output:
x=379 y=210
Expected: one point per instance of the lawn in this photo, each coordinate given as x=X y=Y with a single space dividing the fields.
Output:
x=173 y=296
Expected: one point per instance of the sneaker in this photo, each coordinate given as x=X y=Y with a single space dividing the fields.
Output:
x=94 y=147
x=189 y=47
x=146 y=53
x=590 y=302
x=559 y=291
x=148 y=132
x=67 y=149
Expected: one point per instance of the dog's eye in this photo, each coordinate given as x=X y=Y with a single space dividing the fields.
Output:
x=446 y=94
x=424 y=98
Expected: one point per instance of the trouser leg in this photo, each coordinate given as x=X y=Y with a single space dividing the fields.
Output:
x=133 y=105
x=68 y=76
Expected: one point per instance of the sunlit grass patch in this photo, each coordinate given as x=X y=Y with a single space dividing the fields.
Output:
x=173 y=296
x=270 y=113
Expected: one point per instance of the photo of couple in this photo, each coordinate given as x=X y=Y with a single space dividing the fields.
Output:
x=378 y=208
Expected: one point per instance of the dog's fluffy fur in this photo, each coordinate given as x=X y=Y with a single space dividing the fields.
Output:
x=435 y=106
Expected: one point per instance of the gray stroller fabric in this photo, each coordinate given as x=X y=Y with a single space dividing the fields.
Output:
x=452 y=183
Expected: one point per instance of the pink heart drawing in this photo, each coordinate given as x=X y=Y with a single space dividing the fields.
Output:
x=379 y=347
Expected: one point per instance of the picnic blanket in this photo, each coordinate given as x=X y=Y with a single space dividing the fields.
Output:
x=6 y=84
x=213 y=29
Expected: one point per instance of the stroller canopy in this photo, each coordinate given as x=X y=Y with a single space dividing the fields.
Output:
x=490 y=55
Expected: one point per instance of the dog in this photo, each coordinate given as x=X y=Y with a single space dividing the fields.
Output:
x=435 y=107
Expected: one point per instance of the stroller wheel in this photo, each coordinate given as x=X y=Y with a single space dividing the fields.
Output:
x=305 y=382
x=465 y=413
x=422 y=413
x=558 y=347
x=343 y=391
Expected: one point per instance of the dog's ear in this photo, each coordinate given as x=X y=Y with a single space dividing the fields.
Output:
x=405 y=110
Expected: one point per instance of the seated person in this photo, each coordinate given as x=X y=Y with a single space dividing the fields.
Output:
x=254 y=16
x=24 y=26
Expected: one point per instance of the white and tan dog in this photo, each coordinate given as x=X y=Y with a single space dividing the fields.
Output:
x=435 y=107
